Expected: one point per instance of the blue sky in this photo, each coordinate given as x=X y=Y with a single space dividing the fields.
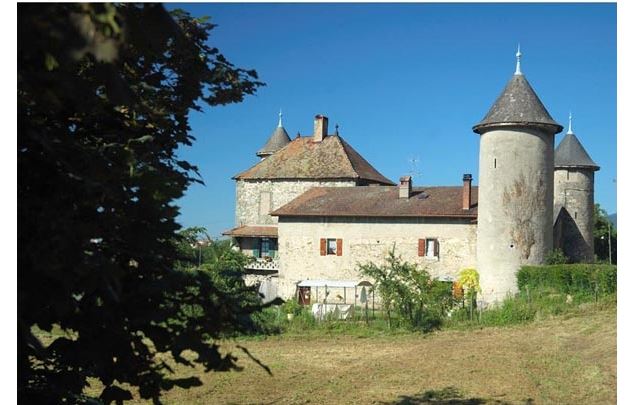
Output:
x=403 y=81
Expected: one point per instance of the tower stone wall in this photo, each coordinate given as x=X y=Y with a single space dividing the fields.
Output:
x=573 y=190
x=515 y=212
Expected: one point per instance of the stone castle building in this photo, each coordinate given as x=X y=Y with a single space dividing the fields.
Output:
x=313 y=208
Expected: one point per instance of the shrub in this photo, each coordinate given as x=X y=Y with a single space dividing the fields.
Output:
x=592 y=279
x=557 y=256
x=409 y=294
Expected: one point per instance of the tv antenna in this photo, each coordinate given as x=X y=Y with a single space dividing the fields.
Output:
x=414 y=172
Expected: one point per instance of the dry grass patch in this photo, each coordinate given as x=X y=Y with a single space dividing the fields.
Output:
x=565 y=361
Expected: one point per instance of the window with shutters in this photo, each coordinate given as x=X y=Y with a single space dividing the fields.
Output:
x=429 y=248
x=330 y=246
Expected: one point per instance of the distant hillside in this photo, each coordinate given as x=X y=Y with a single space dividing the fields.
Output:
x=613 y=219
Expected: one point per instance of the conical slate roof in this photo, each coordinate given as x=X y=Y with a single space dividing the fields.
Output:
x=276 y=141
x=518 y=104
x=571 y=153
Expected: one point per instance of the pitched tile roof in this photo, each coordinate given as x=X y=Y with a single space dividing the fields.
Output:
x=518 y=104
x=571 y=153
x=302 y=158
x=244 y=231
x=380 y=201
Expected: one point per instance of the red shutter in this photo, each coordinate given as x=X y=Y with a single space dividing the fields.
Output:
x=436 y=248
x=339 y=247
x=422 y=247
x=322 y=247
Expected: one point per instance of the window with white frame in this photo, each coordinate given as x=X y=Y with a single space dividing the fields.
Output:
x=430 y=247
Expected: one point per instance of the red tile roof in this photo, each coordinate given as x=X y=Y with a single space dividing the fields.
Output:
x=380 y=201
x=302 y=158
x=253 y=231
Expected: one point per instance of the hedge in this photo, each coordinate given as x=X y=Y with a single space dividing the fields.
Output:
x=570 y=278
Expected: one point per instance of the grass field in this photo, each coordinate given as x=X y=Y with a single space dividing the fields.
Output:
x=563 y=360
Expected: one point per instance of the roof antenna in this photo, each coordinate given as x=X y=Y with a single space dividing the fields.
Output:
x=518 y=55
x=280 y=119
x=570 y=131
x=337 y=129
x=414 y=167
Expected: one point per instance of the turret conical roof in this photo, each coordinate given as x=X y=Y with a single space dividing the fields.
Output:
x=278 y=139
x=518 y=104
x=571 y=153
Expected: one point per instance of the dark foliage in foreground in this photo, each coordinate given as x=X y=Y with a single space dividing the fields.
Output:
x=104 y=93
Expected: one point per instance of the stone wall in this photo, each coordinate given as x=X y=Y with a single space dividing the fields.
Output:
x=573 y=189
x=515 y=206
x=255 y=199
x=369 y=239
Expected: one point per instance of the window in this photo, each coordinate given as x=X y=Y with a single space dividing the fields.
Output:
x=429 y=248
x=330 y=246
x=430 y=244
x=265 y=247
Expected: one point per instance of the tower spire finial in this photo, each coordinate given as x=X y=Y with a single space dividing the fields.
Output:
x=280 y=119
x=570 y=131
x=518 y=55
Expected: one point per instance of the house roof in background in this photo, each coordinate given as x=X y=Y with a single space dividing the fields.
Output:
x=253 y=231
x=380 y=201
x=303 y=158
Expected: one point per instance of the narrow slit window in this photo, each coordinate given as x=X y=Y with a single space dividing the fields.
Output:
x=494 y=163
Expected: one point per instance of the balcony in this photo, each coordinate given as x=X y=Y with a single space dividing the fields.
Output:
x=263 y=264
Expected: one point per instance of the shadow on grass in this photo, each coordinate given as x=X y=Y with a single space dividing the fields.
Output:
x=447 y=396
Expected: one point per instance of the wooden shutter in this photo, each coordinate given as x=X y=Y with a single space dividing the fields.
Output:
x=322 y=247
x=422 y=247
x=339 y=247
x=436 y=248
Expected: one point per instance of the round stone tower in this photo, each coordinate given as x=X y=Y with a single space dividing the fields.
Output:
x=515 y=203
x=574 y=173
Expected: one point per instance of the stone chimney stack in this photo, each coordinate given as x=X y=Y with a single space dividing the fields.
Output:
x=405 y=186
x=320 y=128
x=467 y=191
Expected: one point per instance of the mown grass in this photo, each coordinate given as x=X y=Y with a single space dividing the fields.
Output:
x=566 y=359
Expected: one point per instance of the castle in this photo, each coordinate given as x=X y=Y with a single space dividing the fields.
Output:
x=313 y=208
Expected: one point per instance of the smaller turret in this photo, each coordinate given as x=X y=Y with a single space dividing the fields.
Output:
x=278 y=139
x=574 y=172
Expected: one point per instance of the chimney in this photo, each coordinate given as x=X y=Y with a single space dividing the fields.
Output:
x=405 y=186
x=320 y=128
x=467 y=191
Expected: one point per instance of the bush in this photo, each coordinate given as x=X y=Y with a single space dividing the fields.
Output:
x=557 y=256
x=591 y=279
x=409 y=294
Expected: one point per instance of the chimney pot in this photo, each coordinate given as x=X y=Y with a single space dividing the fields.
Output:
x=467 y=191
x=405 y=186
x=320 y=128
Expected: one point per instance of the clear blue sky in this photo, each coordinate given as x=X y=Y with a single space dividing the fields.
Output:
x=402 y=81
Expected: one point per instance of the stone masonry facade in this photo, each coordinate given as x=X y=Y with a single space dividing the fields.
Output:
x=369 y=240
x=255 y=199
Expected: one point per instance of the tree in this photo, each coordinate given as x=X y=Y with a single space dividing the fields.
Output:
x=602 y=227
x=197 y=249
x=104 y=93
x=408 y=292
